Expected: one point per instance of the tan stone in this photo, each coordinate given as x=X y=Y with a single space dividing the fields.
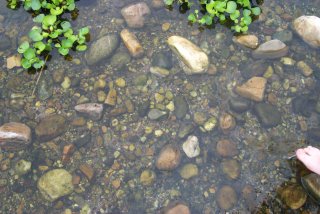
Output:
x=253 y=89
x=111 y=97
x=14 y=135
x=227 y=122
x=135 y=14
x=308 y=28
x=131 y=42
x=13 y=61
x=87 y=171
x=249 y=41
x=177 y=208
x=169 y=158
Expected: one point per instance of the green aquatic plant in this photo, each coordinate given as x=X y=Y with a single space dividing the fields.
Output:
x=53 y=31
x=239 y=12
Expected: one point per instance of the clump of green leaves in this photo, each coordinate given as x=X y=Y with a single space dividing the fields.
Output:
x=239 y=12
x=53 y=30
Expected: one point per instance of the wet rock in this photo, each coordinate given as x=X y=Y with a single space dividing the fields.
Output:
x=45 y=89
x=185 y=129
x=176 y=208
x=210 y=124
x=162 y=60
x=134 y=14
x=284 y=35
x=22 y=167
x=58 y=75
x=102 y=48
x=143 y=108
x=181 y=107
x=308 y=28
x=111 y=97
x=195 y=61
x=249 y=195
x=120 y=60
x=253 y=89
x=226 y=197
x=5 y=42
x=248 y=41
x=13 y=61
x=82 y=140
x=87 y=170
x=293 y=196
x=55 y=184
x=226 y=148
x=157 y=4
x=147 y=177
x=267 y=114
x=131 y=42
x=239 y=105
x=155 y=114
x=314 y=133
x=304 y=105
x=91 y=110
x=188 y=171
x=191 y=147
x=231 y=168
x=14 y=136
x=227 y=122
x=311 y=184
x=271 y=50
x=199 y=118
x=305 y=69
x=66 y=82
x=140 y=80
x=251 y=69
x=50 y=127
x=169 y=158
x=160 y=72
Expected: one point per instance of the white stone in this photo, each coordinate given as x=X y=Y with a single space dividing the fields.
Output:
x=308 y=28
x=191 y=147
x=195 y=60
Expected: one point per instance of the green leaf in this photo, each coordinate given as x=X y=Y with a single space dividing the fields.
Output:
x=84 y=31
x=63 y=51
x=71 y=7
x=23 y=47
x=235 y=15
x=256 y=11
x=40 y=46
x=222 y=17
x=56 y=11
x=246 y=12
x=54 y=34
x=168 y=2
x=65 y=25
x=220 y=6
x=25 y=63
x=244 y=28
x=35 y=34
x=38 y=18
x=29 y=53
x=231 y=7
x=247 y=20
x=39 y=64
x=210 y=8
x=35 y=4
x=66 y=43
x=49 y=20
x=192 y=18
x=81 y=48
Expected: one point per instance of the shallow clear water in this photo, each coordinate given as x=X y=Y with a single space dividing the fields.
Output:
x=125 y=141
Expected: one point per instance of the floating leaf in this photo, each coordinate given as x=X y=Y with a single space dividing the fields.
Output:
x=38 y=18
x=66 y=43
x=246 y=12
x=84 y=31
x=231 y=7
x=56 y=11
x=39 y=45
x=192 y=18
x=29 y=53
x=71 y=7
x=49 y=20
x=35 y=4
x=35 y=34
x=256 y=11
x=81 y=48
x=65 y=25
x=63 y=51
x=39 y=64
x=23 y=47
x=25 y=63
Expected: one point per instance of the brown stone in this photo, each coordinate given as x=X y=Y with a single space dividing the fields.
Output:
x=67 y=152
x=131 y=42
x=87 y=171
x=253 y=89
x=134 y=14
x=50 y=127
x=79 y=121
x=157 y=4
x=111 y=97
x=169 y=158
x=176 y=208
x=294 y=196
x=249 y=41
x=227 y=148
x=76 y=179
x=14 y=136
x=91 y=110
x=227 y=122
x=226 y=197
x=231 y=168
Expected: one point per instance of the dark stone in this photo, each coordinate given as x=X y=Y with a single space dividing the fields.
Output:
x=185 y=129
x=314 y=134
x=304 y=105
x=45 y=89
x=251 y=69
x=284 y=35
x=311 y=184
x=82 y=141
x=143 y=108
x=181 y=107
x=120 y=59
x=267 y=114
x=5 y=42
x=51 y=127
x=239 y=104
x=162 y=60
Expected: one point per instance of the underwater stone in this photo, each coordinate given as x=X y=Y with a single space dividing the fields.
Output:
x=311 y=184
x=134 y=14
x=294 y=196
x=226 y=197
x=191 y=147
x=50 y=127
x=91 y=110
x=267 y=114
x=14 y=136
x=253 y=89
x=308 y=28
x=169 y=158
x=270 y=50
x=181 y=107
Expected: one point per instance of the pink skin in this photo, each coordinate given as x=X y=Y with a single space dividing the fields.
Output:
x=310 y=157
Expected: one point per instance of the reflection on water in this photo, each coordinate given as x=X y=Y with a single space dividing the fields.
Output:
x=134 y=147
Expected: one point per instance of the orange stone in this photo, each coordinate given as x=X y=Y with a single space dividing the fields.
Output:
x=87 y=171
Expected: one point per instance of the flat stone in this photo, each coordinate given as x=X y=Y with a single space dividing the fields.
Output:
x=134 y=14
x=55 y=184
x=50 y=127
x=267 y=114
x=188 y=171
x=102 y=48
x=271 y=50
x=308 y=28
x=155 y=114
x=239 y=104
x=226 y=197
x=311 y=184
x=191 y=147
x=91 y=110
x=195 y=60
x=181 y=107
x=294 y=196
x=14 y=136
x=226 y=148
x=253 y=89
x=248 y=41
x=176 y=208
x=131 y=42
x=231 y=168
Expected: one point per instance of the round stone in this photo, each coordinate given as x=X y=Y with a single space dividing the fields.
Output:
x=226 y=197
x=147 y=177
x=188 y=171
